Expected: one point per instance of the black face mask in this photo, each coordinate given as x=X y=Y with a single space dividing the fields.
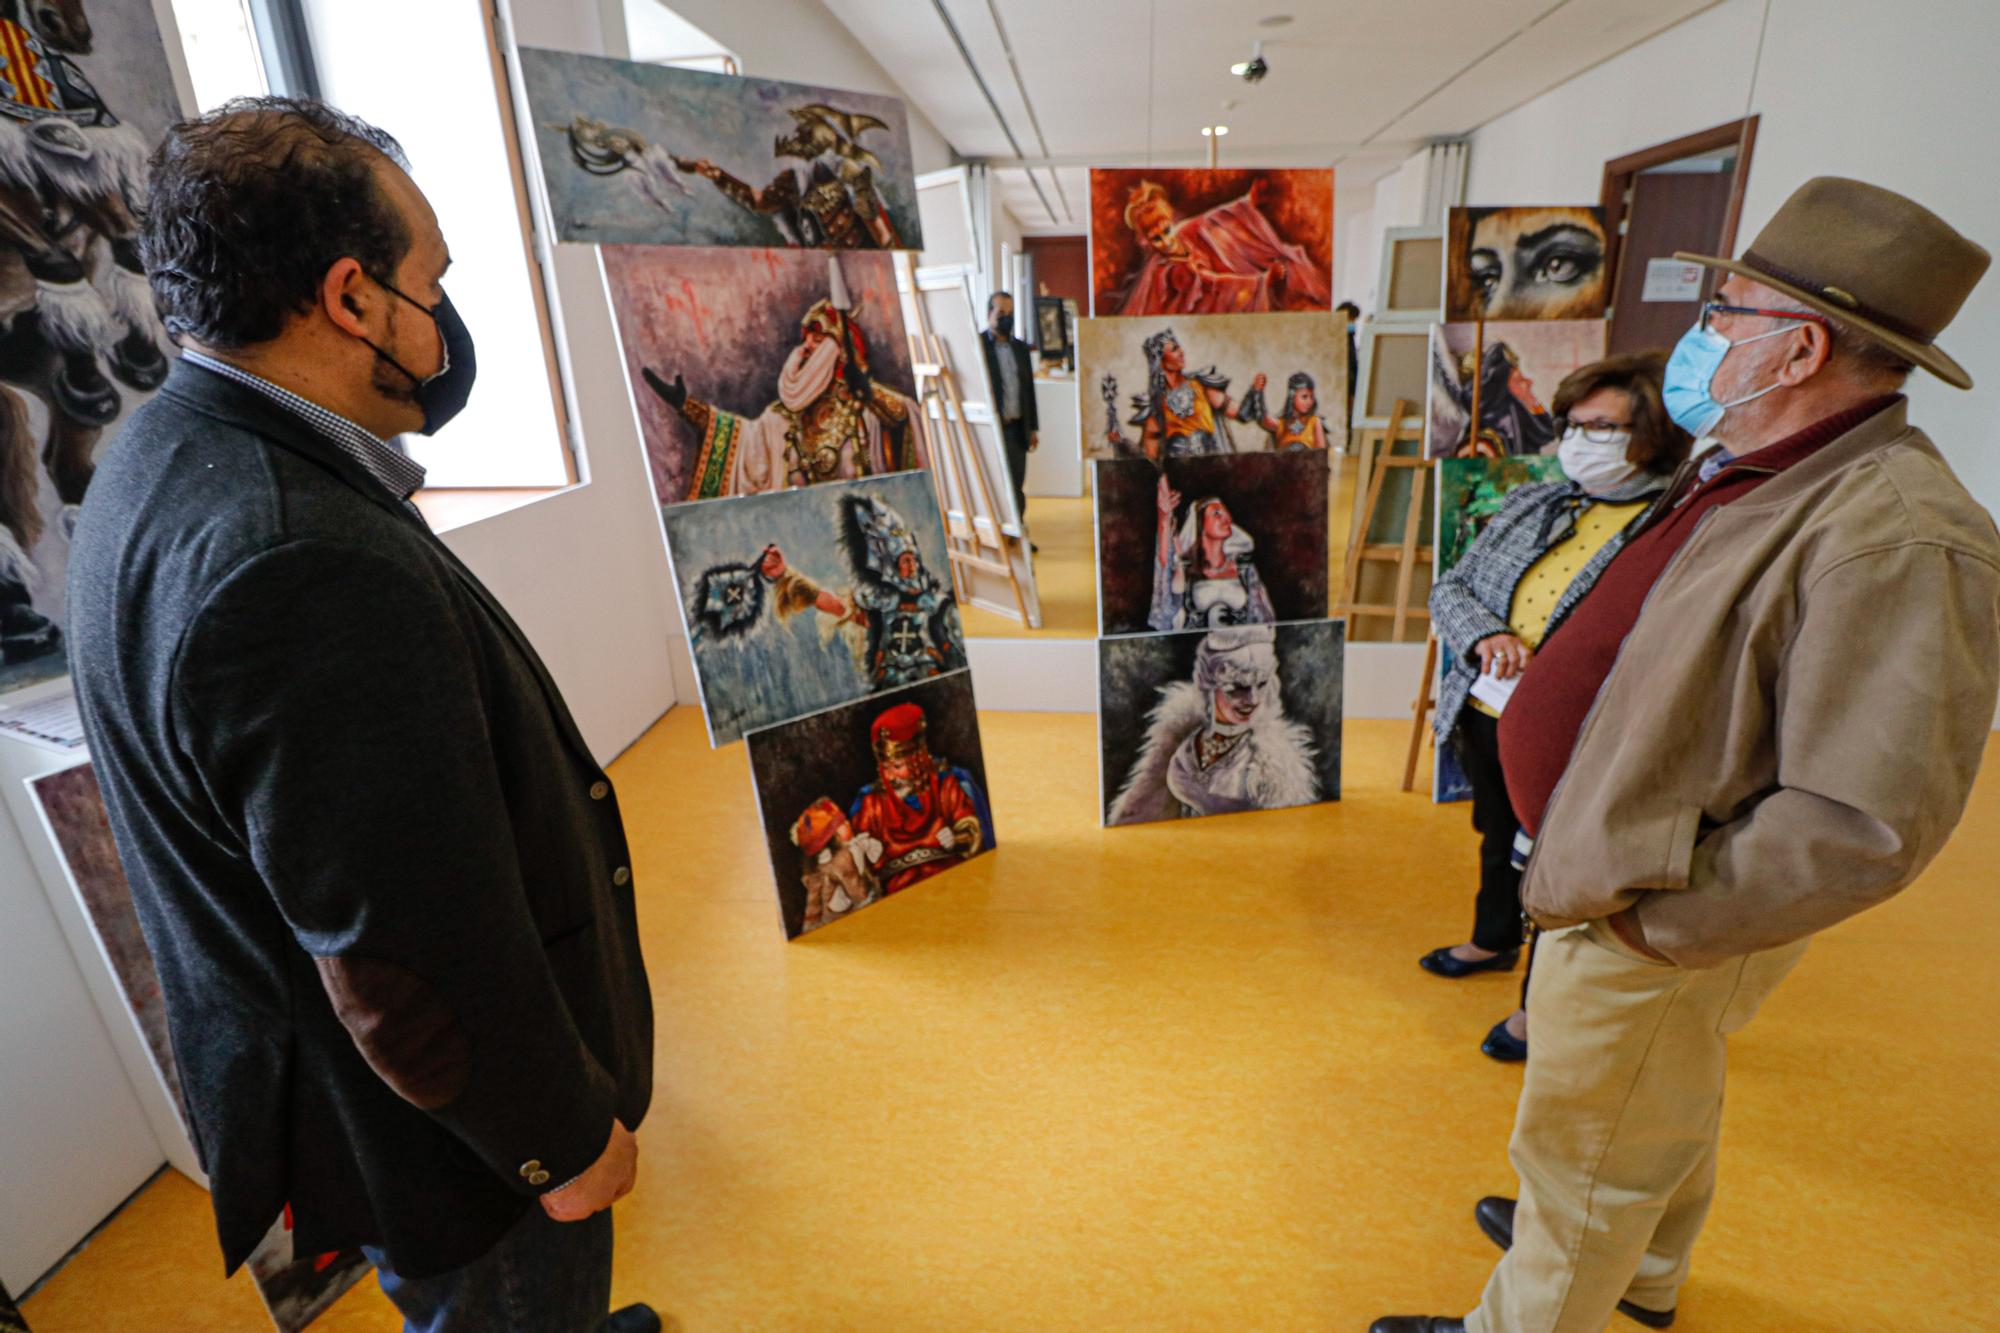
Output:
x=443 y=395
x=1004 y=324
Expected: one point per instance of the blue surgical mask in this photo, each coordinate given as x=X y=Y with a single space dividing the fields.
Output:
x=1691 y=375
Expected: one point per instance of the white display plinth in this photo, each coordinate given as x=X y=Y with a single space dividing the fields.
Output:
x=76 y=1138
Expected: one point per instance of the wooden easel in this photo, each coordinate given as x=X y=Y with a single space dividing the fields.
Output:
x=1378 y=458
x=1422 y=708
x=972 y=529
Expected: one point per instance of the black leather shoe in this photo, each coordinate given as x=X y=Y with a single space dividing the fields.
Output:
x=1503 y=1045
x=1417 y=1323
x=1496 y=1218
x=631 y=1319
x=1443 y=964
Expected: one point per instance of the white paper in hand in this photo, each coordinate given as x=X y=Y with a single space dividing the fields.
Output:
x=1494 y=692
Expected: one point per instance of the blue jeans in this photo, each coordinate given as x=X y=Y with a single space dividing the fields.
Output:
x=544 y=1276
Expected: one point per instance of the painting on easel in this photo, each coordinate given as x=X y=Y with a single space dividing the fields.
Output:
x=1536 y=262
x=760 y=370
x=1522 y=364
x=1196 y=542
x=1210 y=241
x=863 y=801
x=808 y=598
x=1219 y=721
x=642 y=154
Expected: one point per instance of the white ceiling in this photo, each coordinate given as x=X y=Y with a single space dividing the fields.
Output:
x=1356 y=83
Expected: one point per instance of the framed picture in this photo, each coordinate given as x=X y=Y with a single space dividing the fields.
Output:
x=1051 y=328
x=1540 y=261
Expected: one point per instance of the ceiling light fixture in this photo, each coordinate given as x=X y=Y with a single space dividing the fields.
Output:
x=1255 y=68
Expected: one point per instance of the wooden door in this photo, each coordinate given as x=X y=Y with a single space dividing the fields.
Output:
x=1658 y=298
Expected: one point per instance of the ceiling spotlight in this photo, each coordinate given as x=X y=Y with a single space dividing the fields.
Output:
x=1255 y=68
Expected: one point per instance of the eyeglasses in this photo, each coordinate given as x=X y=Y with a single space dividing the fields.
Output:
x=1597 y=432
x=1712 y=308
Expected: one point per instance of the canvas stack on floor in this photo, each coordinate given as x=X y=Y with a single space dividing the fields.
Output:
x=1525 y=290
x=1213 y=346
x=747 y=226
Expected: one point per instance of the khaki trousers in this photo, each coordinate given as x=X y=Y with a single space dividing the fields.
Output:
x=1615 y=1138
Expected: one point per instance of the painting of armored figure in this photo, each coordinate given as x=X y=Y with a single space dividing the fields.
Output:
x=1199 y=543
x=83 y=98
x=1523 y=263
x=760 y=370
x=804 y=599
x=863 y=801
x=1213 y=384
x=1518 y=371
x=1220 y=721
x=1209 y=241
x=644 y=154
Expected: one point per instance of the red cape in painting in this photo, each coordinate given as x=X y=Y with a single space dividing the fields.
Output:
x=1232 y=251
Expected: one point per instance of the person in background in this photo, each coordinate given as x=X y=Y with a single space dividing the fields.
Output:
x=1516 y=583
x=1011 y=367
x=1766 y=718
x=386 y=885
x=1353 y=313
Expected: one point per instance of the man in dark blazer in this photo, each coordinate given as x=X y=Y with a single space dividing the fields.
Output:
x=1011 y=368
x=385 y=883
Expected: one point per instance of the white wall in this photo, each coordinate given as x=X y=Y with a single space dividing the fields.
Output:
x=802 y=41
x=1899 y=95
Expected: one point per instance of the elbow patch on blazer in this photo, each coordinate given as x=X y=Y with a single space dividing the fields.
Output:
x=401 y=1027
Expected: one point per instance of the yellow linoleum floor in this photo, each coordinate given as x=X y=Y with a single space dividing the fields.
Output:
x=1190 y=1077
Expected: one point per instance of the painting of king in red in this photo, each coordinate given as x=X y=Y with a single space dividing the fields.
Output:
x=866 y=800
x=1210 y=241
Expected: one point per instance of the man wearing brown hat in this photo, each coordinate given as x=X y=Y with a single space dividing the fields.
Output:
x=1713 y=764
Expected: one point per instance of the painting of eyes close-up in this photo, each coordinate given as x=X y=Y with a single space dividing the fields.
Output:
x=1533 y=262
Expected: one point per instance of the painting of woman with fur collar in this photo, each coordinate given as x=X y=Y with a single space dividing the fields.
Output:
x=1221 y=743
x=1203 y=574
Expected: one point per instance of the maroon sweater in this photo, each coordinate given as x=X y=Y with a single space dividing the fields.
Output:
x=1539 y=727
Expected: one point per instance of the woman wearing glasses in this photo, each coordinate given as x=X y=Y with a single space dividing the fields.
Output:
x=1513 y=588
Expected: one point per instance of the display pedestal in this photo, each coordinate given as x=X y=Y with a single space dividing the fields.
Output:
x=84 y=1121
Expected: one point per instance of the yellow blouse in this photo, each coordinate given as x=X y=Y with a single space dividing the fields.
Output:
x=1536 y=595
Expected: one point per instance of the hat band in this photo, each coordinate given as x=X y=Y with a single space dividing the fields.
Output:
x=1817 y=288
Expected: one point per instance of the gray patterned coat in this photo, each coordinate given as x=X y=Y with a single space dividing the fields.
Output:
x=1473 y=600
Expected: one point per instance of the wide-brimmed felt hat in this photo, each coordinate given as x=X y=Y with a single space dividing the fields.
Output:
x=1881 y=264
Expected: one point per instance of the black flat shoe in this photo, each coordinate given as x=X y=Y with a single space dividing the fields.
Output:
x=1503 y=1045
x=631 y=1319
x=1440 y=962
x=1417 y=1323
x=1495 y=1216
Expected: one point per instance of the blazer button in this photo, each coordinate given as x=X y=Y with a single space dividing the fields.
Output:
x=621 y=877
x=539 y=1178
x=599 y=790
x=529 y=1167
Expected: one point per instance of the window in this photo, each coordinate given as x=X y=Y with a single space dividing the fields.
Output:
x=430 y=74
x=221 y=49
x=659 y=36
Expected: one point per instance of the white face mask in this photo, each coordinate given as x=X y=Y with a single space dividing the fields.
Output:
x=1600 y=469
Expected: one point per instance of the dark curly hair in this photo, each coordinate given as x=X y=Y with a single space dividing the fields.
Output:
x=252 y=203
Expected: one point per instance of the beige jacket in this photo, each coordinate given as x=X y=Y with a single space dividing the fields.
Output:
x=1792 y=728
